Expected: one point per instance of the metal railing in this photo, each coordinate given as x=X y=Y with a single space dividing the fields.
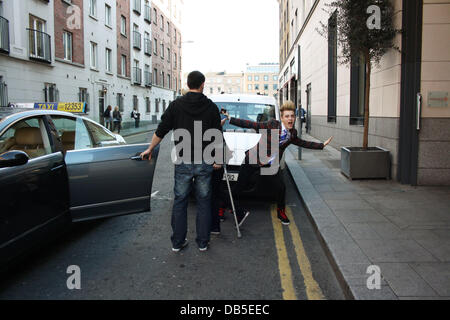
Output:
x=136 y=40
x=40 y=45
x=148 y=47
x=4 y=35
x=148 y=78
x=137 y=75
x=147 y=13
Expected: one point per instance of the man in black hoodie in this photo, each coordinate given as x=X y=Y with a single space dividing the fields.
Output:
x=193 y=113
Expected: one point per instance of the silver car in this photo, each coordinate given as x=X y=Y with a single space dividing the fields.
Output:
x=57 y=168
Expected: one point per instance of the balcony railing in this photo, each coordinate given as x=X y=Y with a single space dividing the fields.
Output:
x=4 y=35
x=148 y=78
x=137 y=75
x=147 y=14
x=148 y=47
x=40 y=46
x=136 y=40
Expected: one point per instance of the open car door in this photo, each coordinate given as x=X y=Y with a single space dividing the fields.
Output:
x=106 y=178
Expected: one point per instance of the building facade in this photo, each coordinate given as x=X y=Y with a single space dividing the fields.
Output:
x=262 y=79
x=333 y=94
x=95 y=51
x=222 y=82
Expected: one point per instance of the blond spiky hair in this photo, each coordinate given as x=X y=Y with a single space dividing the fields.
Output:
x=287 y=106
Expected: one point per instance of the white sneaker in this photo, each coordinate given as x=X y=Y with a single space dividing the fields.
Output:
x=185 y=243
x=203 y=249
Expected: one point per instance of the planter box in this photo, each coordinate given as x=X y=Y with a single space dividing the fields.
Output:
x=371 y=163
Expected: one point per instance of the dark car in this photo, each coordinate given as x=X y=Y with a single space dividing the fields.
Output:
x=57 y=168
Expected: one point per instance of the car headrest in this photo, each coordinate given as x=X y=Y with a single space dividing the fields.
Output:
x=68 y=137
x=28 y=136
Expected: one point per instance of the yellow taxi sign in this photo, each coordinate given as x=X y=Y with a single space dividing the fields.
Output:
x=73 y=107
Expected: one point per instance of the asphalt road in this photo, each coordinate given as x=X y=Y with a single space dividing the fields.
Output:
x=130 y=257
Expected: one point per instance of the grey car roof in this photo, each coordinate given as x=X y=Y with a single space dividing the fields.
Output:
x=9 y=115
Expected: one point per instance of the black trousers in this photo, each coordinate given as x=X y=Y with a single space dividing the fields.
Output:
x=216 y=198
x=274 y=182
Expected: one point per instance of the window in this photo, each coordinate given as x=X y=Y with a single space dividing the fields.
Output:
x=155 y=16
x=266 y=78
x=135 y=102
x=99 y=134
x=67 y=43
x=168 y=55
x=275 y=78
x=249 y=78
x=108 y=15
x=162 y=22
x=93 y=8
x=155 y=46
x=120 y=102
x=256 y=86
x=247 y=111
x=256 y=78
x=162 y=79
x=147 y=105
x=168 y=28
x=72 y=133
x=250 y=87
x=164 y=105
x=156 y=105
x=123 y=25
x=83 y=96
x=175 y=60
x=266 y=87
x=275 y=87
x=123 y=66
x=94 y=55
x=162 y=50
x=169 y=83
x=155 y=76
x=137 y=6
x=34 y=127
x=51 y=94
x=108 y=65
x=332 y=67
x=357 y=90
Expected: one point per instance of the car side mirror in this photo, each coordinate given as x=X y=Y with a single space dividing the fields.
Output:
x=13 y=159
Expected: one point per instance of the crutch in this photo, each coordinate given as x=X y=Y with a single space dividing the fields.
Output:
x=239 y=235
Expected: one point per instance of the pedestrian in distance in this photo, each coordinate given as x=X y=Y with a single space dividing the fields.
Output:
x=136 y=116
x=117 y=119
x=108 y=118
x=185 y=113
x=287 y=135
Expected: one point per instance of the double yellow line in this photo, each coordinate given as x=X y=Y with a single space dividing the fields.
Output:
x=313 y=291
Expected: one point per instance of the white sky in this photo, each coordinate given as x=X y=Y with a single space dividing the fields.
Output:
x=228 y=34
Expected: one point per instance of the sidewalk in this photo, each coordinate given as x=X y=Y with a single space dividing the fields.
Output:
x=143 y=128
x=403 y=230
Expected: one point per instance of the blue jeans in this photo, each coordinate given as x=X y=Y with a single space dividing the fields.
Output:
x=186 y=177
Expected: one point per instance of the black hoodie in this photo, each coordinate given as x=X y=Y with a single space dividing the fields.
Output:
x=184 y=111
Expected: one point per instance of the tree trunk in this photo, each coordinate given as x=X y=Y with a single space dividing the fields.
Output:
x=367 y=99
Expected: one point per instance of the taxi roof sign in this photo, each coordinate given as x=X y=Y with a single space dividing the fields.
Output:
x=72 y=107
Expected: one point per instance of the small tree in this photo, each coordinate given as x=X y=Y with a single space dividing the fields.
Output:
x=364 y=27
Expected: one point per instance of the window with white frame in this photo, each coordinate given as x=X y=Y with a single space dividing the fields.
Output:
x=123 y=25
x=67 y=43
x=123 y=69
x=162 y=50
x=108 y=61
x=94 y=55
x=108 y=21
x=168 y=55
x=93 y=8
x=155 y=46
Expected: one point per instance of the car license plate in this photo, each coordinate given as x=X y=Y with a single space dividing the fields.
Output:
x=231 y=176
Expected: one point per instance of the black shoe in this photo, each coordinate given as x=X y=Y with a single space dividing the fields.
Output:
x=184 y=245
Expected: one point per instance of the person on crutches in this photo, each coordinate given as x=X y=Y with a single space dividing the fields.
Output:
x=287 y=135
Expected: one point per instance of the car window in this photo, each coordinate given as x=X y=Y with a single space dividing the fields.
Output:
x=100 y=135
x=29 y=136
x=72 y=133
x=247 y=111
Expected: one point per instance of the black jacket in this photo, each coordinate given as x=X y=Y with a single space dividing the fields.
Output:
x=184 y=111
